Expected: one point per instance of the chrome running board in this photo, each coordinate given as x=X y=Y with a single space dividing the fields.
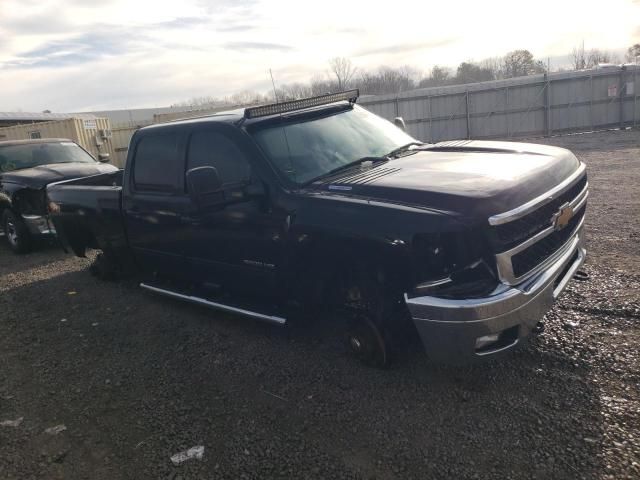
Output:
x=218 y=306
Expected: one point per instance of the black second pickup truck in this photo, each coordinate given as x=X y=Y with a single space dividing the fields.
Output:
x=317 y=205
x=26 y=167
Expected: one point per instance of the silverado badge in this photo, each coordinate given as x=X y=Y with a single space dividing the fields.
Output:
x=562 y=217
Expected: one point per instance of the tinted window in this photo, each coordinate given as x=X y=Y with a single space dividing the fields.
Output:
x=15 y=157
x=212 y=149
x=157 y=164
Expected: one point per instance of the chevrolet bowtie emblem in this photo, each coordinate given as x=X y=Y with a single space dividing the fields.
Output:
x=562 y=217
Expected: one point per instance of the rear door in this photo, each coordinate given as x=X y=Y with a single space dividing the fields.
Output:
x=155 y=203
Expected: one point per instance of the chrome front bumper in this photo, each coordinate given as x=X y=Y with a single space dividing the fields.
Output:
x=451 y=330
x=38 y=225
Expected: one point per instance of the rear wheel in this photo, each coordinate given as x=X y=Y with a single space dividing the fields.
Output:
x=16 y=232
x=105 y=267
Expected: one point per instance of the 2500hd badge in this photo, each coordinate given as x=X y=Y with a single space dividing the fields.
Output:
x=319 y=206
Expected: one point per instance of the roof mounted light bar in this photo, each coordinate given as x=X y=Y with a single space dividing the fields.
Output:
x=292 y=105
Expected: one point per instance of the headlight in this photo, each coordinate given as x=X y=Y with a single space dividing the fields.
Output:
x=31 y=202
x=451 y=266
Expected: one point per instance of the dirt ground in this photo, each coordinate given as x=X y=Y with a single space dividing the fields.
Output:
x=136 y=378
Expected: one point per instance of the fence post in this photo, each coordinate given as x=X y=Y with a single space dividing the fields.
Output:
x=547 y=104
x=621 y=94
x=506 y=108
x=466 y=101
x=591 y=101
x=635 y=93
x=430 y=121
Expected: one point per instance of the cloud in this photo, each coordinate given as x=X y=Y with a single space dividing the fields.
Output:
x=183 y=22
x=405 y=47
x=236 y=28
x=257 y=46
x=100 y=42
x=37 y=24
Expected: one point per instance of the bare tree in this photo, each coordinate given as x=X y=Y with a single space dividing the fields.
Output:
x=519 y=63
x=469 y=72
x=204 y=101
x=321 y=84
x=438 y=77
x=386 y=80
x=293 y=91
x=245 y=97
x=633 y=53
x=495 y=65
x=343 y=70
x=597 y=56
x=579 y=57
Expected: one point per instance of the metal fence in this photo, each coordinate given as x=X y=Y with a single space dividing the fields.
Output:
x=538 y=105
x=519 y=107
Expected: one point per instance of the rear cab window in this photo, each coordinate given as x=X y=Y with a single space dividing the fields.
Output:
x=158 y=163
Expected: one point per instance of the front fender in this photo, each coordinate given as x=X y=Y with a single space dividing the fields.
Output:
x=330 y=236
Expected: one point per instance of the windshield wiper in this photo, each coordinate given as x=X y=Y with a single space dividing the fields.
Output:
x=346 y=166
x=354 y=163
x=401 y=149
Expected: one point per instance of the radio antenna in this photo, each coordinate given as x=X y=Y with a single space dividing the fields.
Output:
x=284 y=132
x=275 y=92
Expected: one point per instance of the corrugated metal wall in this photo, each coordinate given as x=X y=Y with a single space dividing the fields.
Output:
x=92 y=134
x=518 y=107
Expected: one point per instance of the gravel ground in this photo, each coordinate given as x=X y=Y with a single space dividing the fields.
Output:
x=136 y=378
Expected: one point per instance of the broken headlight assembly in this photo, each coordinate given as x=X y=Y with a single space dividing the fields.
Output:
x=451 y=266
x=31 y=202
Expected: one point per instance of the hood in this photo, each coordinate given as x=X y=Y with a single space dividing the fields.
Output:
x=38 y=177
x=469 y=178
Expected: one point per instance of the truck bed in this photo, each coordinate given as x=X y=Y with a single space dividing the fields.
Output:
x=86 y=213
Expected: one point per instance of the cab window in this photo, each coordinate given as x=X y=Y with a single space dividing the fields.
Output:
x=158 y=163
x=213 y=149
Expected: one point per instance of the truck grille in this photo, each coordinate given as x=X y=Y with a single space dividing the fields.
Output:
x=531 y=257
x=524 y=244
x=510 y=234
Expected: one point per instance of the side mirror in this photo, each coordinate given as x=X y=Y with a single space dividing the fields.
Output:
x=103 y=157
x=205 y=186
x=399 y=122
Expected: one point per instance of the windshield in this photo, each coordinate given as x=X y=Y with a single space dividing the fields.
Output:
x=16 y=157
x=311 y=148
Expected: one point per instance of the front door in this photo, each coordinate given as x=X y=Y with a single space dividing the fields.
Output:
x=236 y=242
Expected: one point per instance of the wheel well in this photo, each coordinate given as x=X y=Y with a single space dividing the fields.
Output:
x=323 y=272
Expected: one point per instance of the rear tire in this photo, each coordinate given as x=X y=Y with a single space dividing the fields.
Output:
x=16 y=232
x=104 y=268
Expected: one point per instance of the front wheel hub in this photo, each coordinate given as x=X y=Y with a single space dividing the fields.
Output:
x=356 y=344
x=366 y=342
x=12 y=234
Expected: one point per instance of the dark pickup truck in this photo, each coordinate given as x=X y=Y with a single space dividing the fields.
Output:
x=319 y=207
x=26 y=167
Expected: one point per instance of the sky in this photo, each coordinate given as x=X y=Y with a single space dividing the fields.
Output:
x=80 y=55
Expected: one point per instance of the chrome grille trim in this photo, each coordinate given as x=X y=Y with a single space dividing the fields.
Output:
x=505 y=267
x=576 y=205
x=537 y=202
